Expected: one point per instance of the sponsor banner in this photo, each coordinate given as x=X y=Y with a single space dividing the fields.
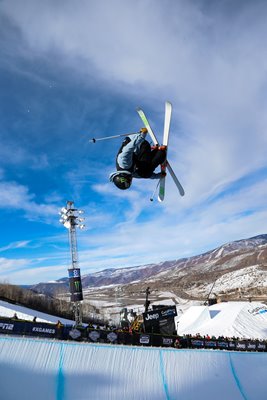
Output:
x=251 y=346
x=167 y=341
x=261 y=346
x=75 y=284
x=232 y=345
x=94 y=336
x=6 y=326
x=27 y=328
x=75 y=334
x=241 y=345
x=222 y=344
x=210 y=343
x=10 y=325
x=112 y=337
x=153 y=317
x=40 y=329
x=258 y=310
x=144 y=339
x=197 y=343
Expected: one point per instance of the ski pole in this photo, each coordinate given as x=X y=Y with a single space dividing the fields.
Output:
x=93 y=140
x=153 y=195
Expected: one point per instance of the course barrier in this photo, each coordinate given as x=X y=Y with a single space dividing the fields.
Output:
x=119 y=336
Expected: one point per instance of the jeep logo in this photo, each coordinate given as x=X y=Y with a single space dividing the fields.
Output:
x=152 y=316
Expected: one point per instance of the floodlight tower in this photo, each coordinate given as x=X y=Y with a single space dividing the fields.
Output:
x=70 y=218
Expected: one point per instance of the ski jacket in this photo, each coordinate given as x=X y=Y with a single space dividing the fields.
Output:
x=128 y=155
x=128 y=151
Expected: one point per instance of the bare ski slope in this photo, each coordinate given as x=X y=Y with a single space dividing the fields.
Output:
x=53 y=370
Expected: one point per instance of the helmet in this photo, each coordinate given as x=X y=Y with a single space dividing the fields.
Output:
x=121 y=179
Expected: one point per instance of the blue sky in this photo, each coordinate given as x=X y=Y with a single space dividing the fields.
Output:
x=71 y=71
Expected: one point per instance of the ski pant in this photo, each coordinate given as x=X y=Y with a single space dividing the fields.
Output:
x=148 y=160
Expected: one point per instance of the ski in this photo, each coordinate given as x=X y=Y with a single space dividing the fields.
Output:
x=147 y=125
x=166 y=131
x=155 y=142
x=175 y=179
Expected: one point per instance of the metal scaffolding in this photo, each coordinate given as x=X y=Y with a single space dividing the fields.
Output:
x=70 y=218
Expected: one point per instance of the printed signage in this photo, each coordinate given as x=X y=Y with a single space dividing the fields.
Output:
x=94 y=336
x=74 y=334
x=6 y=326
x=112 y=336
x=167 y=341
x=144 y=339
x=258 y=310
x=152 y=317
x=75 y=284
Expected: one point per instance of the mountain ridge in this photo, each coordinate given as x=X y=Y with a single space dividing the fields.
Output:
x=186 y=273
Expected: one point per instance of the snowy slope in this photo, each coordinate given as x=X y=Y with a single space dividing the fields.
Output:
x=45 y=369
x=241 y=319
x=194 y=317
x=8 y=310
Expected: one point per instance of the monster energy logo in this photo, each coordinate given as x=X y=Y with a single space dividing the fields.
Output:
x=77 y=286
x=125 y=181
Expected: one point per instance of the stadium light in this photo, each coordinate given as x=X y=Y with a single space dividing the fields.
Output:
x=71 y=220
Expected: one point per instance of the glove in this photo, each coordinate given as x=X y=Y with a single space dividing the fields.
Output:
x=143 y=130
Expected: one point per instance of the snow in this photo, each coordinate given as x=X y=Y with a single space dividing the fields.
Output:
x=195 y=316
x=8 y=310
x=50 y=369
x=241 y=319
x=242 y=278
x=47 y=369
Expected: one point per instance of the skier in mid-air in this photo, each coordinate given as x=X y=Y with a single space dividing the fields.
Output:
x=137 y=159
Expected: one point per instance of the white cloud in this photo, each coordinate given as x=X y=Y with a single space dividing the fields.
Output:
x=21 y=271
x=214 y=79
x=18 y=156
x=15 y=196
x=9 y=266
x=16 y=245
x=173 y=235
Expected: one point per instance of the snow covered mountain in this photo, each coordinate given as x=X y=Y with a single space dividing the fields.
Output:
x=233 y=270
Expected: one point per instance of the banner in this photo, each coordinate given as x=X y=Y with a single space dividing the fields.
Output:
x=144 y=339
x=167 y=341
x=6 y=326
x=153 y=317
x=75 y=284
x=261 y=346
x=67 y=332
x=40 y=329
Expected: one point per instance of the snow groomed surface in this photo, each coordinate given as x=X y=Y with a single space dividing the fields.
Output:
x=54 y=370
x=235 y=318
